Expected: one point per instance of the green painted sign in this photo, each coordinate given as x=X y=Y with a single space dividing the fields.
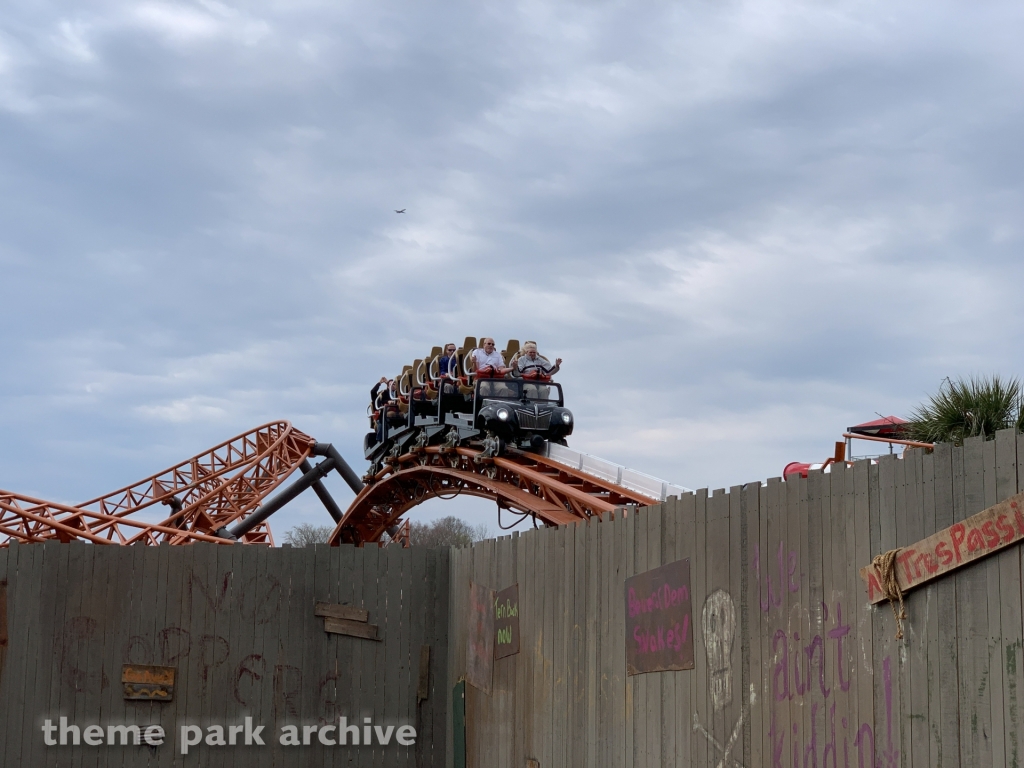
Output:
x=506 y=622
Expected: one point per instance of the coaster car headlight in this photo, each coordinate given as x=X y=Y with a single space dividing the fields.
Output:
x=502 y=414
x=566 y=417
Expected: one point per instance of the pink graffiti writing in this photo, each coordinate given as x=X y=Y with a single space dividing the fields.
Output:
x=800 y=667
x=789 y=578
x=660 y=599
x=834 y=749
x=660 y=640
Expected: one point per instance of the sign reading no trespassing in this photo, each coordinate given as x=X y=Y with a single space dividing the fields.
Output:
x=658 y=624
x=983 y=534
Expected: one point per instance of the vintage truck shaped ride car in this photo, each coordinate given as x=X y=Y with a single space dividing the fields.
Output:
x=490 y=413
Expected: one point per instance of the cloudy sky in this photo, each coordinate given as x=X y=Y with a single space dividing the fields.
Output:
x=745 y=226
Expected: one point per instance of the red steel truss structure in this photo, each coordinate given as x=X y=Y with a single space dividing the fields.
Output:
x=526 y=484
x=223 y=495
x=204 y=494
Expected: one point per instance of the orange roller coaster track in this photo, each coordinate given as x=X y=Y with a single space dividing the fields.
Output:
x=205 y=494
x=224 y=495
x=525 y=483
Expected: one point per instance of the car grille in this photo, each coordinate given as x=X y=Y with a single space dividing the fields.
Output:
x=531 y=420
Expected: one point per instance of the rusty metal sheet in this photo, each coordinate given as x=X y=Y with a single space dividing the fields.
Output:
x=147 y=682
x=480 y=643
x=506 y=622
x=659 y=632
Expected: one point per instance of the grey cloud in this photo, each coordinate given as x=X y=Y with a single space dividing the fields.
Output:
x=745 y=226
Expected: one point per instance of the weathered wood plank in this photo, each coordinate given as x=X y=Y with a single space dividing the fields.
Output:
x=397 y=663
x=815 y=650
x=594 y=641
x=888 y=695
x=799 y=601
x=76 y=630
x=991 y=569
x=769 y=600
x=702 y=711
x=1011 y=641
x=351 y=628
x=948 y=726
x=549 y=554
x=518 y=671
x=842 y=593
x=481 y=708
x=371 y=679
x=533 y=638
x=655 y=680
x=337 y=611
x=456 y=633
x=812 y=598
x=564 y=621
x=577 y=738
x=416 y=678
x=972 y=616
x=641 y=756
x=176 y=642
x=930 y=626
x=47 y=676
x=305 y=670
x=912 y=528
x=77 y=640
x=441 y=689
x=424 y=617
x=684 y=682
x=504 y=577
x=8 y=566
x=667 y=547
x=750 y=635
x=864 y=615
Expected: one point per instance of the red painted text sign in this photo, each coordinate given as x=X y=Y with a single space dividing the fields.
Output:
x=659 y=632
x=986 y=532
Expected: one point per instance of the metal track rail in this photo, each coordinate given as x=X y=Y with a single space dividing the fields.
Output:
x=549 y=490
x=226 y=495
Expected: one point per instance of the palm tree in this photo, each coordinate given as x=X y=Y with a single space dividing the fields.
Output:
x=977 y=406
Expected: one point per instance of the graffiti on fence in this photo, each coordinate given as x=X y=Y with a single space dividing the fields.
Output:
x=719 y=620
x=658 y=635
x=813 y=672
x=770 y=595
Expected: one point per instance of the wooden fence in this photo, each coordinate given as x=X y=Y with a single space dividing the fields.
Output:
x=808 y=675
x=238 y=625
x=795 y=669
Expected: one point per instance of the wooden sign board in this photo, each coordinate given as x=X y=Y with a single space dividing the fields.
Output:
x=962 y=543
x=659 y=633
x=506 y=622
x=346 y=620
x=336 y=611
x=147 y=682
x=480 y=643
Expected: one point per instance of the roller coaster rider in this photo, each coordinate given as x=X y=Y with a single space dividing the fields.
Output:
x=530 y=365
x=488 y=362
x=382 y=398
x=445 y=365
